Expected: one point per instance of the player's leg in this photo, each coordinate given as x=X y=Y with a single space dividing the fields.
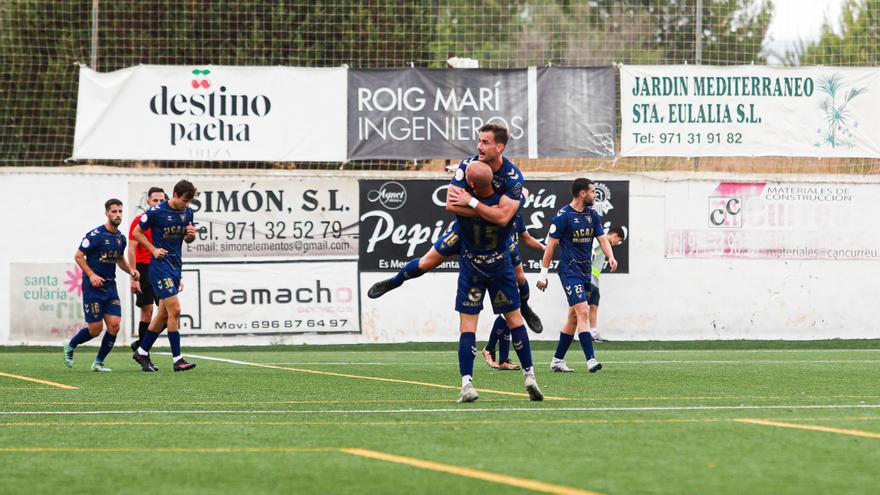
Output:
x=504 y=294
x=93 y=310
x=142 y=354
x=566 y=337
x=495 y=335
x=582 y=309
x=111 y=322
x=594 y=313
x=172 y=305
x=532 y=319
x=504 y=362
x=447 y=245
x=144 y=301
x=468 y=303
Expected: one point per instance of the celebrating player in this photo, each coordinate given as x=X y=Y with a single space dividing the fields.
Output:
x=139 y=257
x=171 y=223
x=574 y=227
x=98 y=254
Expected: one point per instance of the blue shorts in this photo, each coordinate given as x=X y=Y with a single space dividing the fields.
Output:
x=515 y=258
x=475 y=280
x=449 y=242
x=594 y=295
x=577 y=288
x=165 y=280
x=98 y=302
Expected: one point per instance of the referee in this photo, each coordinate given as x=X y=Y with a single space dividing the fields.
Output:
x=140 y=257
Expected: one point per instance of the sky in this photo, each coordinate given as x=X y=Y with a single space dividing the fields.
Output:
x=795 y=20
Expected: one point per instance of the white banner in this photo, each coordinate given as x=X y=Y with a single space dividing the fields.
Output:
x=692 y=110
x=151 y=112
x=270 y=298
x=45 y=302
x=291 y=218
x=776 y=221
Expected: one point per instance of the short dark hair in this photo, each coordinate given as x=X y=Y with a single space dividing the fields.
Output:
x=111 y=202
x=155 y=189
x=580 y=184
x=498 y=131
x=617 y=229
x=185 y=188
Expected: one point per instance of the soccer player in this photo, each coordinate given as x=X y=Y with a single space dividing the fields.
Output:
x=485 y=266
x=506 y=180
x=171 y=223
x=139 y=257
x=500 y=334
x=615 y=237
x=574 y=227
x=98 y=254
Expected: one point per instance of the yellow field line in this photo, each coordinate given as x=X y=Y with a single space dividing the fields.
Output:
x=37 y=380
x=537 y=486
x=164 y=449
x=827 y=429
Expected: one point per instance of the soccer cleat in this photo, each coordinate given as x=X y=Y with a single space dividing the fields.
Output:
x=532 y=319
x=507 y=365
x=532 y=388
x=144 y=361
x=596 y=336
x=68 y=355
x=379 y=289
x=99 y=366
x=183 y=365
x=468 y=393
x=559 y=366
x=134 y=345
x=490 y=358
x=593 y=365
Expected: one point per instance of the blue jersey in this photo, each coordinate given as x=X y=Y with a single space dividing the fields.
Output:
x=506 y=181
x=102 y=249
x=483 y=242
x=168 y=227
x=575 y=231
x=519 y=226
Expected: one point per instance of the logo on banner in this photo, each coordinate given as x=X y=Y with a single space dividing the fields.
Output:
x=602 y=203
x=391 y=195
x=726 y=205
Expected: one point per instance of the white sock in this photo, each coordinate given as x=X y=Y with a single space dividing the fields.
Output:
x=529 y=371
x=176 y=358
x=595 y=330
x=142 y=352
x=465 y=379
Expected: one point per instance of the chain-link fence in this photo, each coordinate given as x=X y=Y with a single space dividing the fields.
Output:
x=41 y=41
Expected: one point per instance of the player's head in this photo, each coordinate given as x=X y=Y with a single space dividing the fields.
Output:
x=113 y=210
x=616 y=235
x=582 y=189
x=479 y=177
x=184 y=192
x=155 y=196
x=493 y=140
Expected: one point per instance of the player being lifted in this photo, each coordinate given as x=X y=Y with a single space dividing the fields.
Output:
x=98 y=254
x=485 y=265
x=171 y=223
x=574 y=227
x=505 y=178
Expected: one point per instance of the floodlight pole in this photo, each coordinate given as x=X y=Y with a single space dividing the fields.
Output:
x=95 y=34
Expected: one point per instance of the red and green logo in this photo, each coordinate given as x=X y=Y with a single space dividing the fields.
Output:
x=201 y=78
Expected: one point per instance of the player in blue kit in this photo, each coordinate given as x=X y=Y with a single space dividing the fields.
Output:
x=573 y=228
x=485 y=266
x=506 y=180
x=171 y=223
x=99 y=253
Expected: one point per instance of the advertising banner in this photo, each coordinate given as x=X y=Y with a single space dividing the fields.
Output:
x=764 y=220
x=291 y=218
x=436 y=113
x=45 y=302
x=152 y=112
x=270 y=298
x=698 y=110
x=400 y=220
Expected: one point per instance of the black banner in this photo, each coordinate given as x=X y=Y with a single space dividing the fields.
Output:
x=400 y=220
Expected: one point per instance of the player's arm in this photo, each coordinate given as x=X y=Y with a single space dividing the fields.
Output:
x=122 y=263
x=94 y=278
x=462 y=211
x=552 y=242
x=139 y=236
x=606 y=248
x=530 y=241
x=132 y=261
x=499 y=215
x=190 y=234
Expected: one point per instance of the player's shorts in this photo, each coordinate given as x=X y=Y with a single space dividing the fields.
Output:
x=474 y=281
x=449 y=242
x=594 y=295
x=515 y=258
x=164 y=279
x=98 y=302
x=577 y=287
x=147 y=295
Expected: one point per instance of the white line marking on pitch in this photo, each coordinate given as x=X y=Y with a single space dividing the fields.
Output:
x=462 y=409
x=695 y=361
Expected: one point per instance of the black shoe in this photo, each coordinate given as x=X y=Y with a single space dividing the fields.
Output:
x=144 y=361
x=380 y=288
x=532 y=319
x=182 y=365
x=134 y=345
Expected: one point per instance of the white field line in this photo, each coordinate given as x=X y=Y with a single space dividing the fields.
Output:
x=598 y=347
x=457 y=410
x=680 y=361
